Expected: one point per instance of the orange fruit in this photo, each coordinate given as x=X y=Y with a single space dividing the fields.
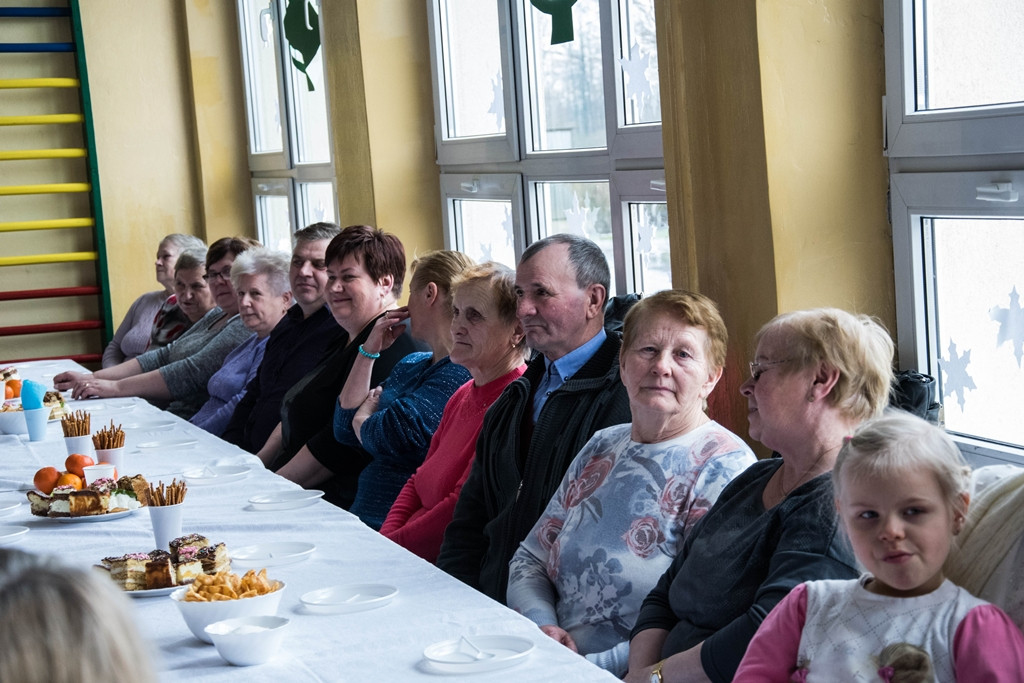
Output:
x=45 y=479
x=15 y=386
x=69 y=478
x=115 y=470
x=75 y=463
x=8 y=391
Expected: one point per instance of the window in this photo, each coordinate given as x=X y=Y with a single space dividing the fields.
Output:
x=536 y=138
x=955 y=137
x=289 y=134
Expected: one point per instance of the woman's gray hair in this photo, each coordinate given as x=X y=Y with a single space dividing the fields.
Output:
x=263 y=261
x=62 y=624
x=855 y=345
x=183 y=242
x=191 y=259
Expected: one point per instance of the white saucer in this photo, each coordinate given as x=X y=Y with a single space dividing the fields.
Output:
x=271 y=554
x=150 y=425
x=462 y=655
x=11 y=534
x=152 y=592
x=356 y=597
x=169 y=443
x=215 y=474
x=109 y=517
x=285 y=500
x=7 y=507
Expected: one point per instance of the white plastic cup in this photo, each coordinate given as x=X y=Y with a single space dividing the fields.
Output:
x=35 y=420
x=166 y=521
x=97 y=472
x=115 y=456
x=79 y=444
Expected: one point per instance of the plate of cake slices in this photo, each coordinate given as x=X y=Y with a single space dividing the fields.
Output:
x=215 y=474
x=159 y=572
x=271 y=554
x=11 y=534
x=169 y=443
x=285 y=500
x=104 y=517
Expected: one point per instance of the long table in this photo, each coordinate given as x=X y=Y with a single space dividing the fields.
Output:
x=385 y=644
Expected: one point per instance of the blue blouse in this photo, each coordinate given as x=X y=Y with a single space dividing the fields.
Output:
x=227 y=386
x=398 y=433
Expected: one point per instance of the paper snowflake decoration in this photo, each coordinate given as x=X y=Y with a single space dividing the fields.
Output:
x=1011 y=325
x=506 y=225
x=636 y=85
x=578 y=219
x=497 y=101
x=957 y=379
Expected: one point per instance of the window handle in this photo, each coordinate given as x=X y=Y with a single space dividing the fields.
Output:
x=997 y=192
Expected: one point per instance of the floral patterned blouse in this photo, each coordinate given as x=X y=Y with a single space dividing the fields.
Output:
x=613 y=527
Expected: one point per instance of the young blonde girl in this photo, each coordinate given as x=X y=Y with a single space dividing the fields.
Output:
x=902 y=491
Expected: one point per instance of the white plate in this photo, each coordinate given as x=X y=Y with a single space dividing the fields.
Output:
x=351 y=598
x=150 y=425
x=8 y=507
x=215 y=474
x=11 y=534
x=458 y=656
x=103 y=409
x=152 y=592
x=271 y=554
x=110 y=516
x=285 y=500
x=169 y=443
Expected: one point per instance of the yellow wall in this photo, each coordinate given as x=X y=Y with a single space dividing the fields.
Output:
x=822 y=80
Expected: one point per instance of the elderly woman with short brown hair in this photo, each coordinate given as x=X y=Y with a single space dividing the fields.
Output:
x=815 y=377
x=636 y=489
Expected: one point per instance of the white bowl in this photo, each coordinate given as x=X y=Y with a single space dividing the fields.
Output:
x=245 y=641
x=199 y=615
x=13 y=422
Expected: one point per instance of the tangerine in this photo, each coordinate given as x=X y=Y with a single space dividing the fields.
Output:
x=70 y=479
x=115 y=470
x=75 y=463
x=45 y=479
x=15 y=386
x=8 y=391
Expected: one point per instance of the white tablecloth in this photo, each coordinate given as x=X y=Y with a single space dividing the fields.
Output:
x=385 y=644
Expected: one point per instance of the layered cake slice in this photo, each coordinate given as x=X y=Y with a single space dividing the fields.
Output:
x=128 y=571
x=189 y=566
x=85 y=503
x=160 y=573
x=214 y=558
x=136 y=484
x=39 y=504
x=196 y=541
x=60 y=503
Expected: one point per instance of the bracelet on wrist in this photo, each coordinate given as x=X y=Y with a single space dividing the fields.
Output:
x=371 y=356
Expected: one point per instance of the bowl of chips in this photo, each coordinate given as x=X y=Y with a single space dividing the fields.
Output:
x=226 y=595
x=245 y=641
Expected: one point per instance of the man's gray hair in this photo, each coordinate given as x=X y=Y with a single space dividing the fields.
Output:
x=586 y=258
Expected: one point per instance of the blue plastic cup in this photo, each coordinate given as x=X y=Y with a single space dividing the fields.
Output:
x=36 y=420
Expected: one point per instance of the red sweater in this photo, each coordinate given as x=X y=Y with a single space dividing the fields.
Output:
x=427 y=502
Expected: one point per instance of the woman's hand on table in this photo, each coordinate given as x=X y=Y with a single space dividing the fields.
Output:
x=90 y=387
x=561 y=635
x=66 y=380
x=365 y=410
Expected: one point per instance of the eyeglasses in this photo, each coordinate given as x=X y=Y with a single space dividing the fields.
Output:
x=224 y=275
x=757 y=368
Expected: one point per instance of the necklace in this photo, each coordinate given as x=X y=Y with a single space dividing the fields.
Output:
x=800 y=480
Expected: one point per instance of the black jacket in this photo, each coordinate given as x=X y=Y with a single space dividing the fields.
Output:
x=502 y=500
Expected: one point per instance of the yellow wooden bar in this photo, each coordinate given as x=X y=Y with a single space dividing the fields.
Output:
x=49 y=224
x=47 y=188
x=66 y=257
x=60 y=153
x=39 y=119
x=7 y=83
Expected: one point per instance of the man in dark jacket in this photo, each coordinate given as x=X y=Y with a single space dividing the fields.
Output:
x=542 y=420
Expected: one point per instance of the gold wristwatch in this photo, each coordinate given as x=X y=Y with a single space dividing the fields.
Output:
x=656 y=673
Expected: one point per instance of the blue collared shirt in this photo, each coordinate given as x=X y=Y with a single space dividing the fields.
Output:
x=557 y=372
